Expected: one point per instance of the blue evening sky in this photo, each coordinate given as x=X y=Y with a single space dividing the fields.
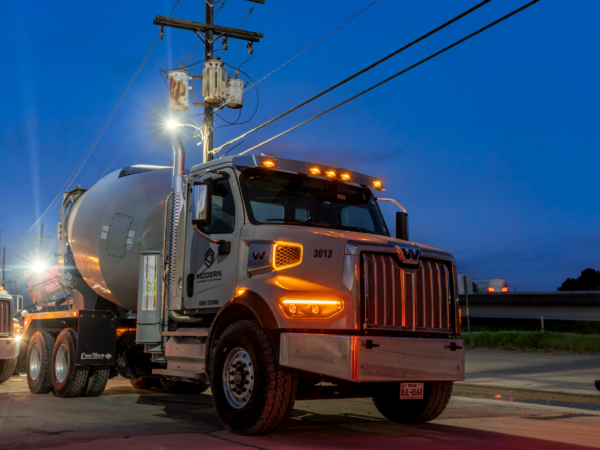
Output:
x=492 y=147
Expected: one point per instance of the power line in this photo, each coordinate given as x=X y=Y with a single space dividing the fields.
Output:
x=99 y=136
x=351 y=77
x=398 y=74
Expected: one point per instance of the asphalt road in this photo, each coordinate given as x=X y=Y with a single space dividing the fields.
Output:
x=123 y=418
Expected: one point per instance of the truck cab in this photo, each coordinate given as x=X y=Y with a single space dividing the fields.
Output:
x=9 y=337
x=268 y=279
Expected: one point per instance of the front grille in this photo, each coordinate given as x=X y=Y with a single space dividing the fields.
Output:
x=5 y=318
x=414 y=299
x=287 y=255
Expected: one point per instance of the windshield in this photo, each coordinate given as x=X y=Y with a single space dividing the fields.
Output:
x=284 y=198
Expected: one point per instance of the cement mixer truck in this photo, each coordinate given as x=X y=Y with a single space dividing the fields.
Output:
x=269 y=280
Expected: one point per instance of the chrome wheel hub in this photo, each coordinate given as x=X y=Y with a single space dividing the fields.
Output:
x=61 y=363
x=35 y=361
x=238 y=377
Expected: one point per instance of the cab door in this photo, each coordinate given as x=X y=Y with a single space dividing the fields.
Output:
x=211 y=277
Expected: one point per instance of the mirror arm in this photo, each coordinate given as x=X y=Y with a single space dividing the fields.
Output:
x=393 y=201
x=224 y=246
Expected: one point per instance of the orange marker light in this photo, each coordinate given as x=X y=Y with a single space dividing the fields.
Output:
x=269 y=163
x=505 y=289
x=345 y=177
x=314 y=171
x=330 y=174
x=490 y=289
x=377 y=184
x=241 y=291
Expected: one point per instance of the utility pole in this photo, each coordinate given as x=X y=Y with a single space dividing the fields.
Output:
x=208 y=110
x=3 y=265
x=208 y=31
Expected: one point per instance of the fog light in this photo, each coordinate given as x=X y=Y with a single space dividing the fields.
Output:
x=310 y=309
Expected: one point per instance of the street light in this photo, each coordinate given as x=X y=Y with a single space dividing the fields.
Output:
x=172 y=125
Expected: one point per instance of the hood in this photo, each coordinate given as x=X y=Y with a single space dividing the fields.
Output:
x=302 y=234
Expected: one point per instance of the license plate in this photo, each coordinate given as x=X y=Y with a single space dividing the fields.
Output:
x=411 y=391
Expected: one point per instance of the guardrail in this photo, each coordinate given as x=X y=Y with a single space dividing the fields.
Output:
x=553 y=305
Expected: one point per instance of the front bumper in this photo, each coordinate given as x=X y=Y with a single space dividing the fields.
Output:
x=372 y=358
x=9 y=348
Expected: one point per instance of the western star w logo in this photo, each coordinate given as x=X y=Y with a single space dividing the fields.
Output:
x=258 y=255
x=209 y=257
x=408 y=254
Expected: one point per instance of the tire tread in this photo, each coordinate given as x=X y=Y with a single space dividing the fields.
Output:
x=7 y=368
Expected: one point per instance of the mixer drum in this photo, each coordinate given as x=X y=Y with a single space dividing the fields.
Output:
x=111 y=223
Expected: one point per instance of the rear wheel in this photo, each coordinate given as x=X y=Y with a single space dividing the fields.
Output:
x=253 y=394
x=436 y=396
x=68 y=379
x=144 y=382
x=97 y=380
x=7 y=368
x=39 y=362
x=183 y=387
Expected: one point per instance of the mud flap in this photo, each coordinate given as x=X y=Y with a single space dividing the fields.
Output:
x=97 y=341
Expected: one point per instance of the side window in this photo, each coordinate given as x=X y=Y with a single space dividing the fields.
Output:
x=223 y=209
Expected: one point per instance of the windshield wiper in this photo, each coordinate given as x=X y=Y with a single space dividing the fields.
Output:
x=343 y=227
x=290 y=221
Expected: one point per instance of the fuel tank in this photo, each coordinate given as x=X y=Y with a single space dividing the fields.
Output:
x=111 y=223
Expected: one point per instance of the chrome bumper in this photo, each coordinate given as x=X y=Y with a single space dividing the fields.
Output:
x=9 y=348
x=362 y=358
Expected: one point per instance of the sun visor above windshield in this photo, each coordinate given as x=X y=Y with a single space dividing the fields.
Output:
x=271 y=162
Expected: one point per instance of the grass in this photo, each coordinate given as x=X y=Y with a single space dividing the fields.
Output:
x=533 y=340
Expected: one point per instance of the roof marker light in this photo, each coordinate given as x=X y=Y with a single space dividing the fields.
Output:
x=269 y=163
x=345 y=177
x=314 y=171
x=377 y=185
x=330 y=174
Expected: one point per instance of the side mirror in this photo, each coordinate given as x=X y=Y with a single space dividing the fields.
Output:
x=402 y=225
x=201 y=203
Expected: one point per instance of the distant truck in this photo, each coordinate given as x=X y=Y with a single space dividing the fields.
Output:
x=9 y=337
x=492 y=286
x=269 y=279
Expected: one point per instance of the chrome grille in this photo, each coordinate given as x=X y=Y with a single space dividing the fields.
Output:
x=5 y=318
x=414 y=299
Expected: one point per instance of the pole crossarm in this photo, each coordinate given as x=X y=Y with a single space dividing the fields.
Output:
x=203 y=27
x=262 y=2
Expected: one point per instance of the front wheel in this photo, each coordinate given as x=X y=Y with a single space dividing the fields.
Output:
x=436 y=396
x=7 y=368
x=253 y=394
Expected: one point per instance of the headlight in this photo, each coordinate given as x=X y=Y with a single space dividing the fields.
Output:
x=309 y=308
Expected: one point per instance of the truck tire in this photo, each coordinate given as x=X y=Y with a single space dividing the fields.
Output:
x=68 y=379
x=7 y=368
x=436 y=396
x=253 y=394
x=183 y=387
x=39 y=362
x=97 y=381
x=144 y=383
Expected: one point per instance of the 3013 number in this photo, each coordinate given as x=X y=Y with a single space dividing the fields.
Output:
x=323 y=253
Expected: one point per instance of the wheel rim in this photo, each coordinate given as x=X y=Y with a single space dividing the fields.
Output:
x=238 y=377
x=35 y=361
x=61 y=363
